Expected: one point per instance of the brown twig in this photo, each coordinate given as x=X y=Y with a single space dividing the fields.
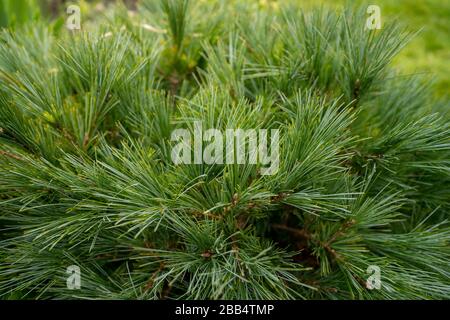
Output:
x=150 y=282
x=9 y=154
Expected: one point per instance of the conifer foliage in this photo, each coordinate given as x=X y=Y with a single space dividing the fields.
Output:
x=87 y=178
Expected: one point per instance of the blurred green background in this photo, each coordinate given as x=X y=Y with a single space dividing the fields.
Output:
x=428 y=53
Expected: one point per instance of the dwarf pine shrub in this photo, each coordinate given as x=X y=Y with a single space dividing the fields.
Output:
x=357 y=207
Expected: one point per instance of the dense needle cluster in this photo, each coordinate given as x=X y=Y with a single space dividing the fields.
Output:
x=87 y=179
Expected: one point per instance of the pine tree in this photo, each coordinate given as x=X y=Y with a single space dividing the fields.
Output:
x=87 y=179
